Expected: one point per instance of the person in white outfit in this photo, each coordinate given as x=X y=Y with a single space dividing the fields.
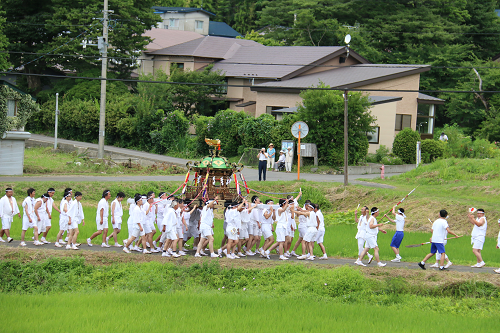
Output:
x=29 y=217
x=206 y=228
x=41 y=212
x=75 y=217
x=302 y=227
x=478 y=235
x=269 y=216
x=371 y=238
x=149 y=209
x=169 y=225
x=233 y=218
x=136 y=228
x=64 y=206
x=48 y=221
x=321 y=231
x=312 y=225
x=361 y=234
x=116 y=218
x=498 y=247
x=282 y=218
x=288 y=159
x=101 y=219
x=8 y=208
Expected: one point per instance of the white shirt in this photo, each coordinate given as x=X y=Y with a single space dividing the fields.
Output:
x=269 y=220
x=282 y=219
x=49 y=204
x=42 y=210
x=361 y=227
x=400 y=223
x=28 y=205
x=262 y=157
x=103 y=204
x=137 y=217
x=282 y=158
x=195 y=217
x=370 y=232
x=231 y=218
x=439 y=230
x=64 y=214
x=311 y=221
x=321 y=218
x=130 y=211
x=245 y=216
x=207 y=217
x=76 y=212
x=302 y=219
x=289 y=156
x=479 y=231
x=118 y=211
x=6 y=210
x=255 y=215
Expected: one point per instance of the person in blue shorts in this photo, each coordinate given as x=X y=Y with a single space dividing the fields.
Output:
x=439 y=229
x=400 y=228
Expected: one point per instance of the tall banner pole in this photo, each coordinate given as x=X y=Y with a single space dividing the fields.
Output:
x=298 y=153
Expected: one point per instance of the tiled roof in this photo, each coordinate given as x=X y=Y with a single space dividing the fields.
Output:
x=347 y=77
x=429 y=99
x=208 y=47
x=163 y=38
x=222 y=29
x=159 y=9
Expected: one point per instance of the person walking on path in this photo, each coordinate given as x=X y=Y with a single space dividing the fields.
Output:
x=478 y=235
x=288 y=159
x=101 y=219
x=439 y=229
x=262 y=156
x=8 y=208
x=371 y=238
x=271 y=157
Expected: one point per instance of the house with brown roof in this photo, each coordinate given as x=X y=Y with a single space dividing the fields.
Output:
x=268 y=79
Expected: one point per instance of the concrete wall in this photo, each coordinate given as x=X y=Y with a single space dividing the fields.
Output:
x=375 y=168
x=286 y=100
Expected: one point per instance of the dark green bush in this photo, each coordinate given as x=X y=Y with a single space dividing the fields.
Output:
x=405 y=145
x=432 y=150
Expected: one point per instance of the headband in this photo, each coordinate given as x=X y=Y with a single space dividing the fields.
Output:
x=106 y=192
x=400 y=212
x=67 y=194
x=51 y=191
x=43 y=196
x=310 y=205
x=375 y=212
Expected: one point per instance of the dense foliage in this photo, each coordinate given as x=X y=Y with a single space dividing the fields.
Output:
x=25 y=108
x=405 y=145
x=432 y=150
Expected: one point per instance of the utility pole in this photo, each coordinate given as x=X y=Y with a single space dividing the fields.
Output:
x=103 y=47
x=57 y=115
x=346 y=141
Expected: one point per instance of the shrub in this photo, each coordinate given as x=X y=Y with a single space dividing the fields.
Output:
x=225 y=127
x=256 y=132
x=431 y=150
x=382 y=152
x=391 y=160
x=174 y=129
x=405 y=145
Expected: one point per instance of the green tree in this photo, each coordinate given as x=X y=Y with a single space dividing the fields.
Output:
x=256 y=37
x=4 y=57
x=323 y=111
x=48 y=31
x=405 y=145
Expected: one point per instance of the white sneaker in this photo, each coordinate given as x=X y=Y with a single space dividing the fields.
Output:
x=105 y=245
x=204 y=254
x=359 y=262
x=481 y=264
x=225 y=252
x=294 y=254
x=324 y=257
x=62 y=242
x=175 y=255
x=117 y=245
x=169 y=250
x=447 y=265
x=165 y=254
x=396 y=260
x=213 y=255
x=436 y=265
x=56 y=244
x=66 y=239
x=1 y=240
x=147 y=244
x=107 y=241
x=154 y=243
x=283 y=257
x=381 y=264
x=74 y=247
x=145 y=251
x=68 y=247
x=310 y=258
x=235 y=256
x=154 y=251
x=241 y=254
x=197 y=255
x=195 y=248
x=475 y=266
x=37 y=243
x=370 y=258
x=219 y=252
x=287 y=255
x=184 y=249
x=89 y=242
x=21 y=244
x=249 y=253
x=126 y=250
x=9 y=239
x=182 y=253
x=138 y=249
x=230 y=256
x=497 y=271
x=302 y=257
x=44 y=241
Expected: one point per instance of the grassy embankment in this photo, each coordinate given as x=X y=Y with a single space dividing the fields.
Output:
x=43 y=161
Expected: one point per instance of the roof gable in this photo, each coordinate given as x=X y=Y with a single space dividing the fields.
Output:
x=162 y=38
x=222 y=29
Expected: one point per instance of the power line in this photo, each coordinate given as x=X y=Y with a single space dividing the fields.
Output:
x=339 y=88
x=97 y=57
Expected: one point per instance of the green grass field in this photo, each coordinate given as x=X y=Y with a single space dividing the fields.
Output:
x=216 y=312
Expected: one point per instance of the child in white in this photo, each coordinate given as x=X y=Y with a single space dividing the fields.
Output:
x=361 y=234
x=101 y=219
x=136 y=226
x=321 y=231
x=75 y=217
x=116 y=218
x=64 y=207
x=282 y=220
x=206 y=228
x=29 y=217
x=302 y=229
x=371 y=238
x=478 y=236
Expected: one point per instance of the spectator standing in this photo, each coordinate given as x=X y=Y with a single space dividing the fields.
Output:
x=289 y=159
x=443 y=137
x=271 y=157
x=262 y=156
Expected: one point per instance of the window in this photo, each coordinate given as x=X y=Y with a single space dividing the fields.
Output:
x=174 y=23
x=373 y=137
x=198 y=25
x=425 y=118
x=11 y=108
x=178 y=65
x=403 y=121
x=165 y=26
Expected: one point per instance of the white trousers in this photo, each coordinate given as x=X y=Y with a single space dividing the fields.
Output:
x=288 y=166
